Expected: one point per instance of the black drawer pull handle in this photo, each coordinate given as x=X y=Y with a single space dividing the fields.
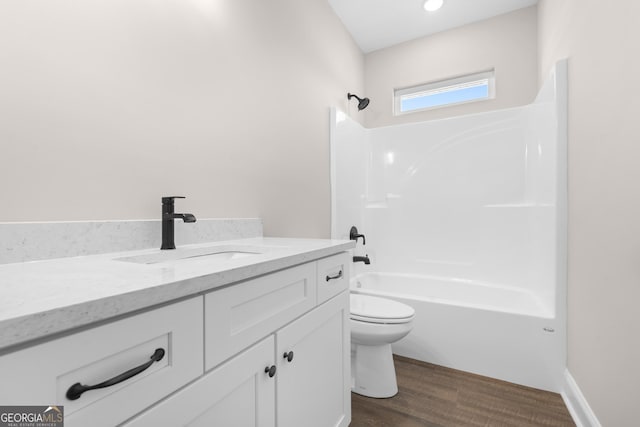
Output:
x=270 y=370
x=337 y=276
x=76 y=390
x=288 y=356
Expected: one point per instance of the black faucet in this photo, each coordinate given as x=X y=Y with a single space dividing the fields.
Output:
x=364 y=259
x=353 y=235
x=168 y=215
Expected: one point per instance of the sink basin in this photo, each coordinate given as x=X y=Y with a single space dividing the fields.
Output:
x=212 y=253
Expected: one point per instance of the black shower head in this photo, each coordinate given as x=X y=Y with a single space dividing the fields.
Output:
x=362 y=102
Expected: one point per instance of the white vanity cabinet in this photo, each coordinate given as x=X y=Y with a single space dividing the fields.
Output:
x=269 y=351
x=312 y=388
x=297 y=375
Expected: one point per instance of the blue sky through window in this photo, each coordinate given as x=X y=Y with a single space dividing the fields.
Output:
x=440 y=98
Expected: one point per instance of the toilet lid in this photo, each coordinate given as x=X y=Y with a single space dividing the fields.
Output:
x=379 y=310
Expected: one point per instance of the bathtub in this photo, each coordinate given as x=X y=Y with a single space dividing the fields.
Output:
x=490 y=330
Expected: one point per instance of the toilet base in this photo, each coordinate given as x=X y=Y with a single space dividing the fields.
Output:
x=372 y=370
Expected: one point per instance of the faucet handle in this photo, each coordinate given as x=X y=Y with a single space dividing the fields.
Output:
x=353 y=235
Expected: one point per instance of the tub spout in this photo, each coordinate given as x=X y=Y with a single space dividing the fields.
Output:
x=364 y=259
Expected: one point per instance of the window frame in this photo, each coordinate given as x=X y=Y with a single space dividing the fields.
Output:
x=439 y=86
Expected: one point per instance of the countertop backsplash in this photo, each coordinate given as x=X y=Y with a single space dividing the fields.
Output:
x=33 y=241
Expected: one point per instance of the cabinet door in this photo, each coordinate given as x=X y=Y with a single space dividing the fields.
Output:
x=313 y=388
x=238 y=393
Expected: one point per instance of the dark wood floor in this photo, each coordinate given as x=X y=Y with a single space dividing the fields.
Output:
x=431 y=395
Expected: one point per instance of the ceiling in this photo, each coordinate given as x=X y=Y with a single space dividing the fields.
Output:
x=376 y=24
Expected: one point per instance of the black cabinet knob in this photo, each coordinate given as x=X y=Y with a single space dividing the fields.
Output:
x=288 y=356
x=271 y=370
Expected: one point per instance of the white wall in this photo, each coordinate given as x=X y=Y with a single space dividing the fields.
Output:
x=107 y=106
x=601 y=42
x=507 y=43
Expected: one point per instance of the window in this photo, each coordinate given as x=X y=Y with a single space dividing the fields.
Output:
x=459 y=90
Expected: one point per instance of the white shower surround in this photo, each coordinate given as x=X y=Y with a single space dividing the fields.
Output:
x=465 y=220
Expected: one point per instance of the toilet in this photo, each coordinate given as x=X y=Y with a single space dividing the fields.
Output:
x=376 y=323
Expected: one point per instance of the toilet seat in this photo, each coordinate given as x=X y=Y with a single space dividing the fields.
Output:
x=370 y=309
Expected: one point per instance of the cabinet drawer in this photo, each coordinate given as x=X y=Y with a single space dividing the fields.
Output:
x=333 y=276
x=43 y=374
x=240 y=315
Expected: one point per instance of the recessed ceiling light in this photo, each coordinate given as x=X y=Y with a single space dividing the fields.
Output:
x=432 y=5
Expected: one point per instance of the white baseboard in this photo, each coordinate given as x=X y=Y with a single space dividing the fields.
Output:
x=577 y=405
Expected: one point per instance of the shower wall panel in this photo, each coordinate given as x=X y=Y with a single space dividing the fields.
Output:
x=478 y=198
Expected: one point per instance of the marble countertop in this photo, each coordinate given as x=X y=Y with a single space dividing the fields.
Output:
x=41 y=298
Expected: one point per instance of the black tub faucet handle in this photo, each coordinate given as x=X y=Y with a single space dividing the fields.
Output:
x=353 y=235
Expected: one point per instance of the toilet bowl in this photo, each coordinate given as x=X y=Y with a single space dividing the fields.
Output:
x=376 y=323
